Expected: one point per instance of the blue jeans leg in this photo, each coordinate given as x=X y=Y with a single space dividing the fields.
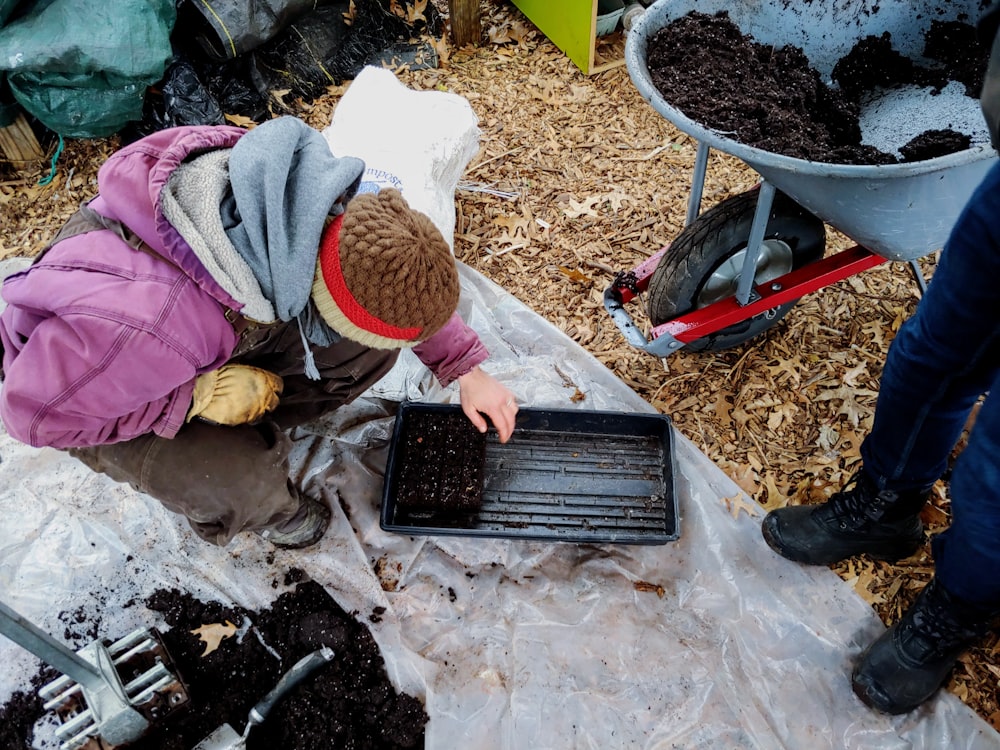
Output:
x=944 y=357
x=967 y=554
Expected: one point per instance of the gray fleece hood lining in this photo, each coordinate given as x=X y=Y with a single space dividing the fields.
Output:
x=190 y=202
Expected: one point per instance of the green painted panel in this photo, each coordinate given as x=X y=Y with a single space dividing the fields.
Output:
x=569 y=24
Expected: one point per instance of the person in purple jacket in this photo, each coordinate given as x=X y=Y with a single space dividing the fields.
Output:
x=224 y=286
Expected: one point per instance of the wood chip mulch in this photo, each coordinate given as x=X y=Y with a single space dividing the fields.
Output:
x=578 y=178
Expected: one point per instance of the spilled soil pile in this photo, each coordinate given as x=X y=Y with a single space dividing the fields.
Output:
x=230 y=658
x=771 y=98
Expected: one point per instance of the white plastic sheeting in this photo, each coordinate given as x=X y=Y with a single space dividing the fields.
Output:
x=511 y=644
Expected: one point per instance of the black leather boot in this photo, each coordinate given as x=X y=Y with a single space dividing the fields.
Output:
x=911 y=660
x=857 y=520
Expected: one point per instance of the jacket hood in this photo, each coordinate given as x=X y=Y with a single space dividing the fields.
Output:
x=131 y=182
x=285 y=184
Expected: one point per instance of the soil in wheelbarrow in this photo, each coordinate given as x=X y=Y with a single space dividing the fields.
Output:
x=772 y=98
x=231 y=657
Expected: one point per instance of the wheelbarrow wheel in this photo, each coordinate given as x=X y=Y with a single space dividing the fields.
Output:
x=703 y=264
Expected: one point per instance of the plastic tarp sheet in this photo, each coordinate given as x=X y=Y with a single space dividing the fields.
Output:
x=511 y=644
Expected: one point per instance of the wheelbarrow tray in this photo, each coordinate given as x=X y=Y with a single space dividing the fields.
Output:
x=899 y=211
x=564 y=475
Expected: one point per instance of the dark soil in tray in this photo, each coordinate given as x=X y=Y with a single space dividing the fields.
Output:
x=348 y=703
x=771 y=98
x=441 y=457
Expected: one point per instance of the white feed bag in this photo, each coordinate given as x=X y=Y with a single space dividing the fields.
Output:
x=419 y=142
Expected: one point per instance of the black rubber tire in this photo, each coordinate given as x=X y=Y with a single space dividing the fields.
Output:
x=678 y=285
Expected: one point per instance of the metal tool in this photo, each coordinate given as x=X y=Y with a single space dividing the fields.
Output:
x=226 y=738
x=91 y=698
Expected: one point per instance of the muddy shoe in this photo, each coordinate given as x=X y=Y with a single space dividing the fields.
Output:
x=304 y=529
x=858 y=520
x=911 y=660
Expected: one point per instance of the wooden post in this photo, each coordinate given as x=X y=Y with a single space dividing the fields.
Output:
x=465 y=24
x=19 y=144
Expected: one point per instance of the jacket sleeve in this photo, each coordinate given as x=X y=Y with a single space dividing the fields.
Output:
x=453 y=351
x=95 y=389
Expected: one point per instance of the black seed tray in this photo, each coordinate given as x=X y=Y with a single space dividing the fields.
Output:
x=564 y=475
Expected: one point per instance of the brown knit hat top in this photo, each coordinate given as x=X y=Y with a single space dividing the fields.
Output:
x=385 y=276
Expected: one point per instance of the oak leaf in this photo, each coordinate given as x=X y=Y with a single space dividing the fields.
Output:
x=738 y=503
x=240 y=121
x=212 y=635
x=575 y=275
x=586 y=208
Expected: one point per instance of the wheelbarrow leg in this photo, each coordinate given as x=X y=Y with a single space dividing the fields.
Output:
x=765 y=198
x=697 y=182
x=918 y=276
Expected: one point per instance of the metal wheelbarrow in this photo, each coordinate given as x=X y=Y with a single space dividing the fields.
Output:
x=737 y=269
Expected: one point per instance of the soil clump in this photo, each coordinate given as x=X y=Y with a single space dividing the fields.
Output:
x=773 y=99
x=346 y=703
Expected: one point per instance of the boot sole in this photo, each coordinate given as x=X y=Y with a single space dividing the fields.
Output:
x=875 y=699
x=314 y=538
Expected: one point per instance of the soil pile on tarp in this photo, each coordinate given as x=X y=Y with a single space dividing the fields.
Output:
x=772 y=98
x=348 y=703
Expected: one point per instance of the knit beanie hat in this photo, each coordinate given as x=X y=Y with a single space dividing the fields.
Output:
x=385 y=276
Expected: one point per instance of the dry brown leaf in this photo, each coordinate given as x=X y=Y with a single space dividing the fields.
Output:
x=740 y=416
x=416 y=12
x=851 y=376
x=586 y=208
x=776 y=498
x=213 y=634
x=616 y=200
x=784 y=412
x=240 y=121
x=849 y=406
x=738 y=502
x=513 y=224
x=723 y=410
x=576 y=275
x=646 y=586
x=746 y=479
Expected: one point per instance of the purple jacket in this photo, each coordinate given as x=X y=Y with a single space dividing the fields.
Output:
x=102 y=342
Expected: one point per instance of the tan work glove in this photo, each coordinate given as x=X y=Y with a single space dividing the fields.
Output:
x=234 y=394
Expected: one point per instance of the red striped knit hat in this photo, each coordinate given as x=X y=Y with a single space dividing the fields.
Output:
x=385 y=276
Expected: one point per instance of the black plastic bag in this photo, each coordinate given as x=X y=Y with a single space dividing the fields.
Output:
x=227 y=29
x=322 y=48
x=186 y=100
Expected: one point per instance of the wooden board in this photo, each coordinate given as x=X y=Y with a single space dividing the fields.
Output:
x=572 y=26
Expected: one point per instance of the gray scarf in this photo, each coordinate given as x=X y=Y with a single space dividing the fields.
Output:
x=285 y=182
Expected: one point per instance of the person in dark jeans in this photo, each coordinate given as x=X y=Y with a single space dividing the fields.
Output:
x=941 y=363
x=224 y=286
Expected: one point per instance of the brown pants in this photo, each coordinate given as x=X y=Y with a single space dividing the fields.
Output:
x=231 y=479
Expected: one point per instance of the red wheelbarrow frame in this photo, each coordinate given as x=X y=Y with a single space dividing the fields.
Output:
x=668 y=337
x=750 y=300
